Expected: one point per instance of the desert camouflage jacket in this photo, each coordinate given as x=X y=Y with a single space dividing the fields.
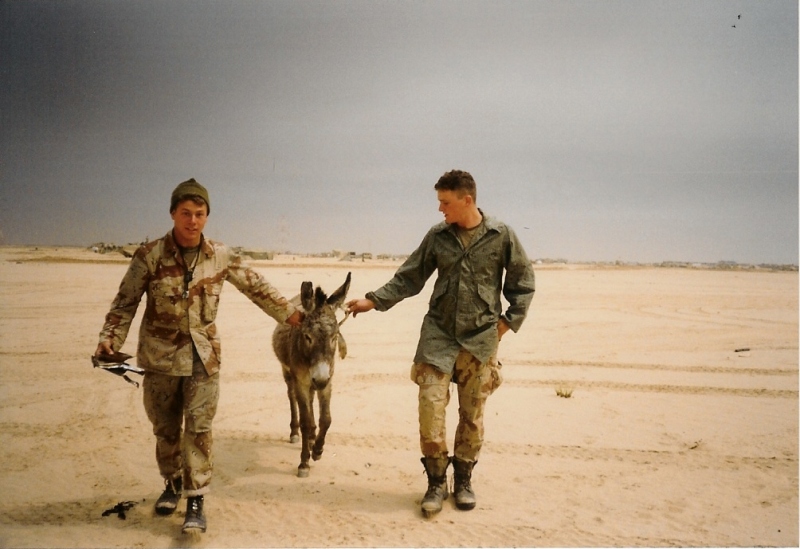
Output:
x=465 y=304
x=172 y=322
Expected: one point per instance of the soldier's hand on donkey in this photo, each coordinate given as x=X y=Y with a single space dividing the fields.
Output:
x=296 y=318
x=359 y=306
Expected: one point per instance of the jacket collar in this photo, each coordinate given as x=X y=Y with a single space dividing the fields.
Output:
x=171 y=247
x=490 y=223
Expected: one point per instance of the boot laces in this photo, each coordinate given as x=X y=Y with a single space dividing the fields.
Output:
x=173 y=485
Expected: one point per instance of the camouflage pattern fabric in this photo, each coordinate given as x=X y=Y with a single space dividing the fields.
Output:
x=475 y=381
x=169 y=401
x=178 y=315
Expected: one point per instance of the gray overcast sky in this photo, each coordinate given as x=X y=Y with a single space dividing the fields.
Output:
x=599 y=130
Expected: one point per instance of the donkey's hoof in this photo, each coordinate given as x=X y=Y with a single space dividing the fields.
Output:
x=316 y=456
x=294 y=439
x=302 y=472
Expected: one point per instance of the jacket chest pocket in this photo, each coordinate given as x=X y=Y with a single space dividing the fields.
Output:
x=166 y=298
x=486 y=264
x=210 y=301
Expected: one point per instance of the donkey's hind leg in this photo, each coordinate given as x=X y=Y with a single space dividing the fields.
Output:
x=324 y=420
x=294 y=424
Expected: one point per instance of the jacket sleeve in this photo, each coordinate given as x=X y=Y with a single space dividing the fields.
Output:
x=123 y=308
x=257 y=289
x=519 y=284
x=409 y=279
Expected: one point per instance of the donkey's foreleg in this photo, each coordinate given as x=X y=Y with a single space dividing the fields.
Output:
x=324 y=420
x=308 y=427
x=294 y=423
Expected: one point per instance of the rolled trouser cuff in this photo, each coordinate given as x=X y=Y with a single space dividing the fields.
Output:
x=199 y=492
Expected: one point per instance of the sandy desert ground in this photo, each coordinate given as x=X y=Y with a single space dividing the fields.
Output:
x=670 y=438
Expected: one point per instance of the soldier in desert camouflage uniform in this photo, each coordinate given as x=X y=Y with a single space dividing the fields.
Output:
x=477 y=258
x=179 y=347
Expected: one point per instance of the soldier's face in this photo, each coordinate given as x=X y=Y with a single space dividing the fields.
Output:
x=189 y=220
x=453 y=207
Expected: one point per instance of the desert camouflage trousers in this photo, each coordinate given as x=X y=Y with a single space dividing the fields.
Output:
x=474 y=382
x=175 y=404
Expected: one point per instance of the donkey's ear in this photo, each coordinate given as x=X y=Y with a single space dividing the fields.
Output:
x=319 y=297
x=307 y=296
x=337 y=297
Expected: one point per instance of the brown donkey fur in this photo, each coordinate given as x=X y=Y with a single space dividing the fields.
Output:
x=307 y=355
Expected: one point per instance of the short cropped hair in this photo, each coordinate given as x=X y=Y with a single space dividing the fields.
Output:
x=459 y=181
x=196 y=198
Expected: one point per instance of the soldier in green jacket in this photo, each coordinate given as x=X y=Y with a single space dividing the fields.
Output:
x=179 y=347
x=477 y=259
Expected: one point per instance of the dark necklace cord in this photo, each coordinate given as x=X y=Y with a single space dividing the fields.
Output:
x=188 y=273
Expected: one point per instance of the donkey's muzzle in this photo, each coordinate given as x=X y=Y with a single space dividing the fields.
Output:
x=320 y=375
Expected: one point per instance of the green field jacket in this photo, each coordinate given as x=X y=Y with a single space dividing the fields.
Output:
x=465 y=304
x=173 y=320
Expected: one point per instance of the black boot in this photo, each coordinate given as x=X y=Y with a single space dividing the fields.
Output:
x=462 y=489
x=436 y=468
x=167 y=502
x=195 y=519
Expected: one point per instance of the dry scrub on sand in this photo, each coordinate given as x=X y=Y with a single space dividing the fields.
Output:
x=673 y=437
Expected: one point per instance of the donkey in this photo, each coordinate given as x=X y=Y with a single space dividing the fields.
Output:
x=307 y=357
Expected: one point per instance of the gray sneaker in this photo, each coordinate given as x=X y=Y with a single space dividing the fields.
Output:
x=168 y=500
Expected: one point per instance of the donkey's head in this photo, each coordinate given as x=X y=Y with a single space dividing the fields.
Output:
x=319 y=333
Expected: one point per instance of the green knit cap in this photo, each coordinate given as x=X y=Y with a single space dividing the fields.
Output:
x=189 y=188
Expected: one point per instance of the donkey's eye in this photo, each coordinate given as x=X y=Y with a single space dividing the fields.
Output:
x=309 y=339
